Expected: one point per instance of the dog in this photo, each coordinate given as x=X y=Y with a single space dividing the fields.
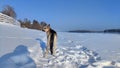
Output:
x=51 y=40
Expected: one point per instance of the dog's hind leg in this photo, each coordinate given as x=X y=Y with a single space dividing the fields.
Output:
x=51 y=49
x=54 y=45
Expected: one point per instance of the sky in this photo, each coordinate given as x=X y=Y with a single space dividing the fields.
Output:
x=64 y=15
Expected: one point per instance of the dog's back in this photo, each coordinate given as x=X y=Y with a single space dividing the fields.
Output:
x=52 y=41
x=53 y=34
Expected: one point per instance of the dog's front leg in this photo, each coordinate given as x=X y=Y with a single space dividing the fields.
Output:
x=48 y=46
x=47 y=50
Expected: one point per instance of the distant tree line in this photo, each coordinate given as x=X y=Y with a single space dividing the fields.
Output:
x=112 y=31
x=90 y=31
x=81 y=31
x=26 y=23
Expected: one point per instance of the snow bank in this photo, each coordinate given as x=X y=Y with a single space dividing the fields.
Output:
x=17 y=59
x=8 y=19
x=18 y=47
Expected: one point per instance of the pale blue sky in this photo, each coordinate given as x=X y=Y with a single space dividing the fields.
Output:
x=69 y=14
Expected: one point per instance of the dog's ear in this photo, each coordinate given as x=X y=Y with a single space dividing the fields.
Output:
x=49 y=25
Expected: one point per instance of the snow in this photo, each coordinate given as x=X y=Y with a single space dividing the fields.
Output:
x=104 y=44
x=24 y=48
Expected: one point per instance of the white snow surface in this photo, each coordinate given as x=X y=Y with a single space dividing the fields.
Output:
x=24 y=48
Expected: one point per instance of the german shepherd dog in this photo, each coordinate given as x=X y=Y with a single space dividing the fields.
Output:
x=51 y=40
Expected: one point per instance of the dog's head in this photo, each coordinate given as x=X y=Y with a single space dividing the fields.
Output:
x=46 y=28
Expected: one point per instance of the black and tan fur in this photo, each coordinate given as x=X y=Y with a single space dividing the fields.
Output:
x=51 y=40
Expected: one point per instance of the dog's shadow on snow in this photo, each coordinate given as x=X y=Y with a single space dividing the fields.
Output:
x=42 y=44
x=17 y=59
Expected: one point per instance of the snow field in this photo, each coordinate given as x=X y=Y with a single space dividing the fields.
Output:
x=24 y=48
